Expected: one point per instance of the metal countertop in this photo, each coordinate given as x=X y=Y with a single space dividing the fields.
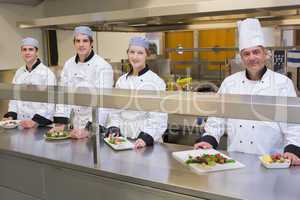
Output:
x=155 y=167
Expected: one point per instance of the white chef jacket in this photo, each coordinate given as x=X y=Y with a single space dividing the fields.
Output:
x=249 y=136
x=40 y=75
x=95 y=73
x=132 y=123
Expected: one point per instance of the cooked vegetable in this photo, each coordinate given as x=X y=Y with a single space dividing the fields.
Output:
x=275 y=158
x=116 y=140
x=57 y=134
x=209 y=160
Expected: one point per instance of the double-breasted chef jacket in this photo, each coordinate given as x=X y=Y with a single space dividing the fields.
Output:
x=149 y=126
x=42 y=113
x=94 y=74
x=250 y=136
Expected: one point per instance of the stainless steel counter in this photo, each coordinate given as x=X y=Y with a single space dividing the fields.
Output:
x=152 y=168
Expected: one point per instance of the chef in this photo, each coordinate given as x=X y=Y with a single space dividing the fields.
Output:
x=248 y=136
x=34 y=72
x=145 y=127
x=85 y=69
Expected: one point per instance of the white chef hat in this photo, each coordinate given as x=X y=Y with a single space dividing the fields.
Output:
x=30 y=42
x=83 y=30
x=250 y=33
x=139 y=41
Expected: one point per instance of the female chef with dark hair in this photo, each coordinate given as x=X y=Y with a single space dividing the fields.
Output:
x=145 y=127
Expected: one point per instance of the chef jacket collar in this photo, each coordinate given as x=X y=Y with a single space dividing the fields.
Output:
x=261 y=73
x=34 y=65
x=143 y=71
x=86 y=59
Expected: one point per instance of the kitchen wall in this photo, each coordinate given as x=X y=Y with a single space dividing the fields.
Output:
x=10 y=35
x=114 y=45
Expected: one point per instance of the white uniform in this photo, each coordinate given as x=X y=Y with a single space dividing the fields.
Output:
x=95 y=73
x=40 y=75
x=132 y=123
x=257 y=137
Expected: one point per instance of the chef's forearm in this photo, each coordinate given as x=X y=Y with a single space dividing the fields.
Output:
x=11 y=114
x=42 y=121
x=291 y=148
x=148 y=139
x=209 y=139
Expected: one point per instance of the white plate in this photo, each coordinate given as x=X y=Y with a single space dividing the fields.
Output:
x=182 y=156
x=275 y=165
x=122 y=146
x=5 y=124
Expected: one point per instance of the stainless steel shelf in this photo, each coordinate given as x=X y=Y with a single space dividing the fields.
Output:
x=266 y=108
x=201 y=15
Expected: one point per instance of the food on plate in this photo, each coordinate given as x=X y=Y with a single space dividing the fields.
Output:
x=118 y=143
x=9 y=123
x=209 y=160
x=57 y=134
x=116 y=140
x=275 y=158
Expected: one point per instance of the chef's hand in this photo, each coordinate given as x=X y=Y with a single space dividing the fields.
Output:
x=203 y=145
x=79 y=133
x=57 y=127
x=292 y=157
x=7 y=118
x=139 y=143
x=28 y=123
x=113 y=131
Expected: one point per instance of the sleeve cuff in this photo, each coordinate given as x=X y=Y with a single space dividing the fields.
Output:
x=209 y=139
x=89 y=126
x=291 y=148
x=61 y=120
x=148 y=139
x=113 y=130
x=42 y=121
x=102 y=129
x=14 y=115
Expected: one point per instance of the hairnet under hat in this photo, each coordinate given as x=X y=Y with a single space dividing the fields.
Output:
x=139 y=41
x=250 y=34
x=30 y=42
x=83 y=30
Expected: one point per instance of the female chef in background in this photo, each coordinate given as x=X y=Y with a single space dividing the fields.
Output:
x=146 y=127
x=34 y=72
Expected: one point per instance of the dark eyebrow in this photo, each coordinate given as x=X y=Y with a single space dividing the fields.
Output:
x=29 y=48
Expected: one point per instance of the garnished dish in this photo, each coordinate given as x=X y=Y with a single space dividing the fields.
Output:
x=118 y=143
x=57 y=135
x=206 y=160
x=9 y=123
x=116 y=140
x=274 y=161
x=209 y=160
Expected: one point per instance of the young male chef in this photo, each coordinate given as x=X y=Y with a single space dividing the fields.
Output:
x=248 y=136
x=85 y=69
x=34 y=72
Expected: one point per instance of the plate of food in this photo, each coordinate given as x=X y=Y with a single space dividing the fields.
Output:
x=275 y=161
x=118 y=143
x=9 y=123
x=206 y=160
x=57 y=135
